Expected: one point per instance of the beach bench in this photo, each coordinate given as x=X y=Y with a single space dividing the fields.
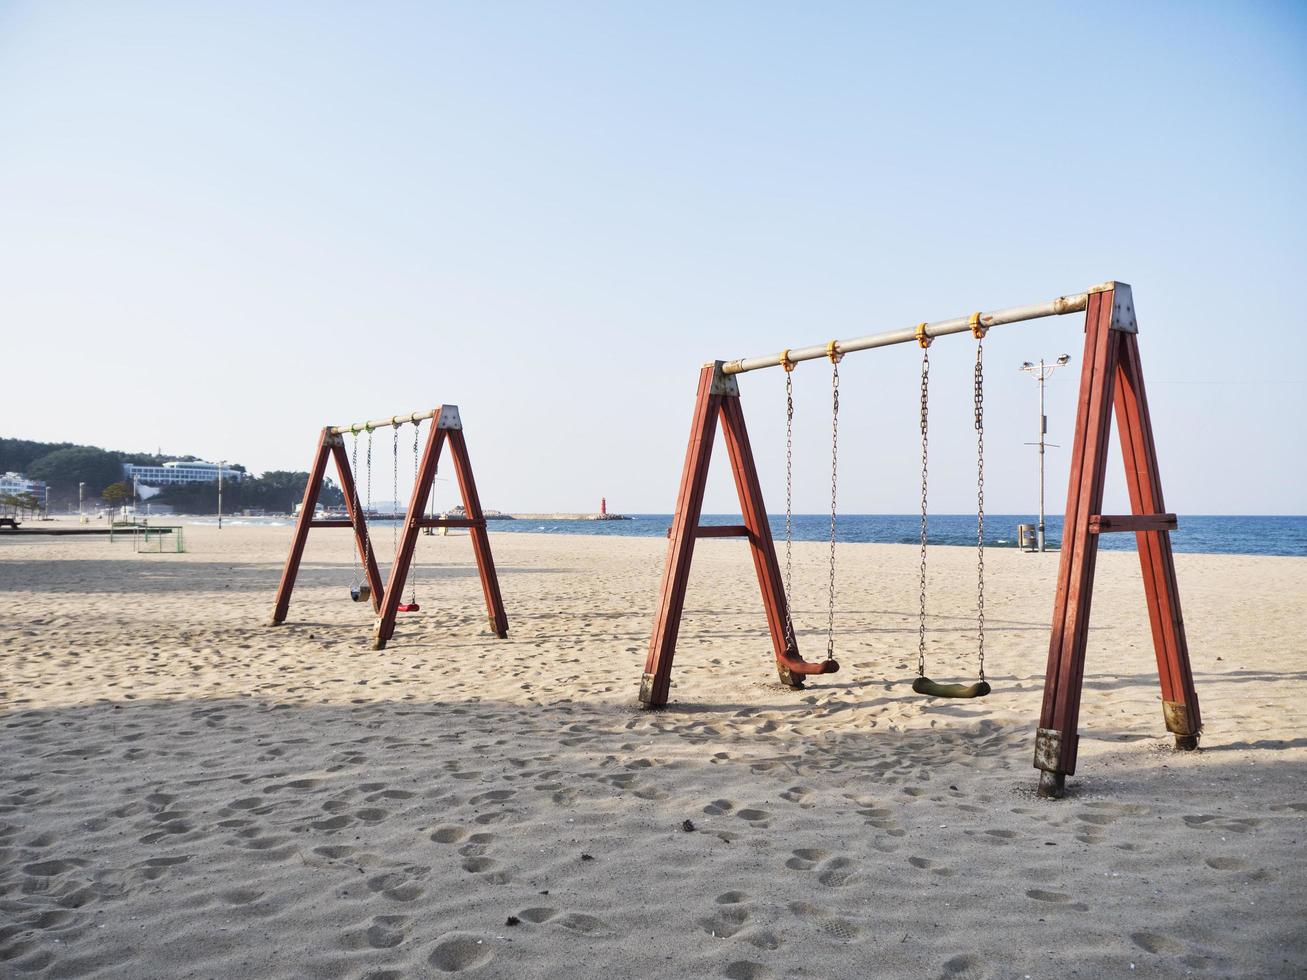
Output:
x=9 y=522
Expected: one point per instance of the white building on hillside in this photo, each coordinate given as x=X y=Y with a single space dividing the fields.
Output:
x=16 y=483
x=175 y=472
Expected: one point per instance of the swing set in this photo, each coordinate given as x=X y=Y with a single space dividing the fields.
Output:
x=366 y=586
x=1111 y=381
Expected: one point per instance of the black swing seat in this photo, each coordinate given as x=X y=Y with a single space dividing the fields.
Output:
x=360 y=593
x=934 y=689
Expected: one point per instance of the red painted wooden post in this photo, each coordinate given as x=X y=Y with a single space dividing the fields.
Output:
x=1135 y=429
x=1057 y=738
x=1111 y=378
x=656 y=681
x=302 y=524
x=760 y=539
x=719 y=394
x=480 y=536
x=331 y=445
x=358 y=522
x=446 y=425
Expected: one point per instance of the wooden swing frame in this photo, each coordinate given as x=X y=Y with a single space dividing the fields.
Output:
x=1111 y=382
x=447 y=427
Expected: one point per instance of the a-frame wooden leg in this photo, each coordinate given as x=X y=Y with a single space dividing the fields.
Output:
x=760 y=539
x=358 y=523
x=302 y=525
x=385 y=625
x=1057 y=738
x=446 y=426
x=480 y=536
x=1111 y=379
x=655 y=683
x=1135 y=430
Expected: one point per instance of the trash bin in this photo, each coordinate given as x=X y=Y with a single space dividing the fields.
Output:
x=1027 y=537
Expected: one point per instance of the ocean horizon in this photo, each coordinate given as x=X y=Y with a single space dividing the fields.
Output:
x=1280 y=535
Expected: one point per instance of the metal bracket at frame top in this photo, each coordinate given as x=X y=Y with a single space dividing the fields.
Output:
x=723 y=384
x=449 y=418
x=1123 y=305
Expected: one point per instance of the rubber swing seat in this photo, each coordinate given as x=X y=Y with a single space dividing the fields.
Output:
x=934 y=689
x=360 y=593
x=808 y=668
x=407 y=607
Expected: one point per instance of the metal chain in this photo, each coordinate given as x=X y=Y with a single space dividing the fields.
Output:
x=925 y=445
x=979 y=399
x=367 y=538
x=834 y=484
x=413 y=568
x=394 y=490
x=789 y=508
x=354 y=470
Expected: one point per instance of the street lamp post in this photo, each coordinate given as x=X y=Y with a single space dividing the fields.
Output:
x=1040 y=372
x=221 y=464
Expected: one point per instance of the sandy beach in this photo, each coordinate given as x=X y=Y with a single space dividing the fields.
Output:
x=186 y=792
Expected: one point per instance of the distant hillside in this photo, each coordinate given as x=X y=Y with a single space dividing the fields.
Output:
x=65 y=465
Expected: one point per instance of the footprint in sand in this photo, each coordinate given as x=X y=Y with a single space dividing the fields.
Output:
x=459 y=951
x=537 y=915
x=1056 y=898
x=806 y=858
x=965 y=966
x=400 y=886
x=493 y=796
x=761 y=939
x=719 y=808
x=586 y=925
x=385 y=932
x=448 y=835
x=241 y=896
x=1227 y=864
x=836 y=873
x=759 y=818
x=1155 y=942
x=477 y=845
x=725 y=922
x=747 y=970
x=796 y=794
x=926 y=864
x=837 y=927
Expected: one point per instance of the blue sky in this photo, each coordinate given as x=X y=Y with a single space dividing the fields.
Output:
x=225 y=225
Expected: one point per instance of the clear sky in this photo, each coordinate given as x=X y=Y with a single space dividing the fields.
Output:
x=225 y=225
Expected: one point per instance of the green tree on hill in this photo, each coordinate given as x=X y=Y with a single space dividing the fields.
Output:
x=63 y=469
x=115 y=495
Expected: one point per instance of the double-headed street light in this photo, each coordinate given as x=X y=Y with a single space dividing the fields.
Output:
x=1040 y=372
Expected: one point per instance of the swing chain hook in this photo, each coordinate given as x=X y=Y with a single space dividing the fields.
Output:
x=925 y=447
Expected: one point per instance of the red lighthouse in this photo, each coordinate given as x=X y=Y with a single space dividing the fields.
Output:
x=603 y=506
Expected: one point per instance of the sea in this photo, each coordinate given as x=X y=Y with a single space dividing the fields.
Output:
x=1207 y=534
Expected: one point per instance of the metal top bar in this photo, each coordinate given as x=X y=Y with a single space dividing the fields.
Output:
x=961 y=324
x=340 y=430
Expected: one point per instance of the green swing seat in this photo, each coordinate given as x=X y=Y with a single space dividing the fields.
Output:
x=924 y=685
